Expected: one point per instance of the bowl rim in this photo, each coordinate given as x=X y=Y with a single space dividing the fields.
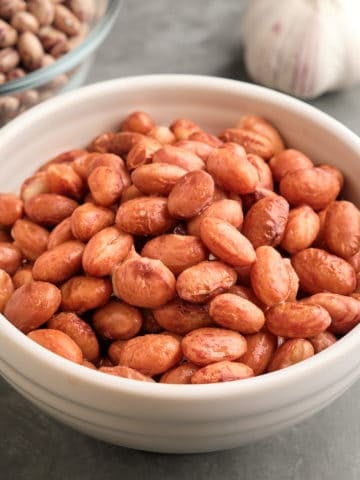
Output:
x=324 y=360
x=65 y=63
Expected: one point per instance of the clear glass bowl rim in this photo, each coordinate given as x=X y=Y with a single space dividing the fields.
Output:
x=96 y=35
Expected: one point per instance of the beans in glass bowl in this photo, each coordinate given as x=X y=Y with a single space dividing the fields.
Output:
x=45 y=48
x=171 y=255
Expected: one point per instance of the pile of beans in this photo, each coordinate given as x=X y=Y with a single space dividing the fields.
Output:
x=33 y=34
x=170 y=254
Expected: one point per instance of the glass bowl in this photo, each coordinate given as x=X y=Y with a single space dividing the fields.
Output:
x=66 y=73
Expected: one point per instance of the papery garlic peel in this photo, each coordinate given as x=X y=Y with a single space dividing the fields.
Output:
x=302 y=47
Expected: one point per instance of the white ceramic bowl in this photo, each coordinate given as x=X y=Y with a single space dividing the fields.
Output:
x=159 y=417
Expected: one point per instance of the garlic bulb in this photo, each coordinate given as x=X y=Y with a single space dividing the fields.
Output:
x=303 y=47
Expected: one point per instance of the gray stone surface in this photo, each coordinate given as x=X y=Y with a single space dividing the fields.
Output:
x=188 y=37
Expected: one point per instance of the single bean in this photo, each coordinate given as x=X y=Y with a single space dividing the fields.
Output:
x=180 y=375
x=140 y=122
x=320 y=271
x=32 y=305
x=30 y=50
x=203 y=281
x=322 y=340
x=191 y=194
x=105 y=249
x=157 y=178
x=162 y=134
x=6 y=289
x=208 y=345
x=88 y=219
x=23 y=275
x=9 y=59
x=63 y=180
x=178 y=156
x=43 y=10
x=60 y=263
x=236 y=313
x=8 y=34
x=11 y=209
x=177 y=252
x=265 y=222
x=34 y=185
x=58 y=342
x=252 y=141
x=342 y=228
x=126 y=372
x=10 y=257
x=301 y=230
x=200 y=149
x=269 y=275
x=143 y=282
x=181 y=317
x=25 y=22
x=183 y=128
x=60 y=234
x=117 y=321
x=232 y=170
x=144 y=216
x=258 y=124
x=344 y=311
x=204 y=137
x=226 y=242
x=105 y=185
x=30 y=238
x=66 y=21
x=287 y=161
x=79 y=331
x=80 y=293
x=291 y=352
x=151 y=354
x=260 y=349
x=228 y=210
x=310 y=186
x=223 y=371
x=297 y=320
x=49 y=208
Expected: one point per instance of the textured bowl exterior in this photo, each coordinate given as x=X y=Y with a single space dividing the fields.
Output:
x=160 y=417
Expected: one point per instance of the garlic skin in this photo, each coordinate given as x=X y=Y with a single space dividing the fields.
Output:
x=302 y=47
